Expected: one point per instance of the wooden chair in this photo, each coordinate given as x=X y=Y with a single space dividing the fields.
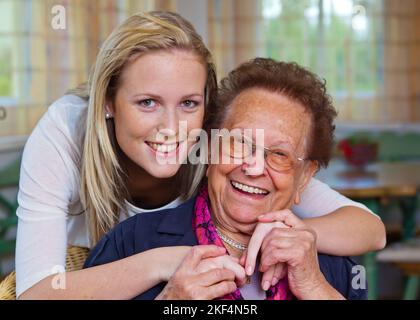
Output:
x=76 y=257
x=406 y=256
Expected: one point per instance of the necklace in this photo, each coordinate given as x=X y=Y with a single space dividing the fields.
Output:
x=230 y=241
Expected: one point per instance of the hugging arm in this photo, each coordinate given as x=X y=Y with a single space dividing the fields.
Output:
x=122 y=279
x=343 y=227
x=348 y=231
x=114 y=272
x=110 y=278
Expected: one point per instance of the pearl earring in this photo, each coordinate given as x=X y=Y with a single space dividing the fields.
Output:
x=108 y=116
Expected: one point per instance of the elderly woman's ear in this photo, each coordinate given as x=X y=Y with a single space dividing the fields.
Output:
x=309 y=170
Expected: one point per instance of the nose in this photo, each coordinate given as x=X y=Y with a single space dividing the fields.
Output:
x=169 y=124
x=254 y=164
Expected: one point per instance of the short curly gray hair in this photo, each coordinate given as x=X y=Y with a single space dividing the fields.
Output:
x=290 y=80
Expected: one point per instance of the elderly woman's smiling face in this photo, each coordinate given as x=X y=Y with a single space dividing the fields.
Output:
x=286 y=124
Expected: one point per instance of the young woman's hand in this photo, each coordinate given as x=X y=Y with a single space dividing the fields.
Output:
x=169 y=259
x=224 y=262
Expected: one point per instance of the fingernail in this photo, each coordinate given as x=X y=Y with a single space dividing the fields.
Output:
x=249 y=270
x=266 y=285
x=261 y=216
x=274 y=281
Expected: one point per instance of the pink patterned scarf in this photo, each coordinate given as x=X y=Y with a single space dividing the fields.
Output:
x=206 y=234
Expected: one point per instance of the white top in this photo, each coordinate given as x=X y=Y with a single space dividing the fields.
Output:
x=49 y=202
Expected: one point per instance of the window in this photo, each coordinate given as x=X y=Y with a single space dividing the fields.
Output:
x=6 y=56
x=39 y=63
x=338 y=40
x=366 y=50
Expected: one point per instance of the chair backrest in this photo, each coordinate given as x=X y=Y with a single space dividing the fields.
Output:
x=75 y=259
x=8 y=287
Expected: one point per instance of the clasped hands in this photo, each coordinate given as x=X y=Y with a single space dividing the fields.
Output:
x=285 y=246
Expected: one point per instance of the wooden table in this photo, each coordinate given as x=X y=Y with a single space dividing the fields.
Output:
x=379 y=183
x=386 y=178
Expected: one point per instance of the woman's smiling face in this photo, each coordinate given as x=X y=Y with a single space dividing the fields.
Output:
x=239 y=195
x=158 y=91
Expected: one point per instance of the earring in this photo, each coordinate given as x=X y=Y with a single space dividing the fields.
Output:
x=108 y=116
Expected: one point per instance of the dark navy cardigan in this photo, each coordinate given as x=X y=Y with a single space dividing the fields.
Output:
x=173 y=227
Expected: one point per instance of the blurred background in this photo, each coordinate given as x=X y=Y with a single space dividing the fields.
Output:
x=368 y=51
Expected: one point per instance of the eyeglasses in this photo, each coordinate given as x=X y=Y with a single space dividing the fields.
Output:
x=240 y=147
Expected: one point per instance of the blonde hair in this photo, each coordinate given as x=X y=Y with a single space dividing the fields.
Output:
x=103 y=189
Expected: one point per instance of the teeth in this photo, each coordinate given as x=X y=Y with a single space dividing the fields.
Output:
x=248 y=189
x=163 y=148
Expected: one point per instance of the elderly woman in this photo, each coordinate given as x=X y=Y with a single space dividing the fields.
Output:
x=266 y=174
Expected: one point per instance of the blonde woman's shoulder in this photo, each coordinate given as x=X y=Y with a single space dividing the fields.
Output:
x=68 y=114
x=68 y=108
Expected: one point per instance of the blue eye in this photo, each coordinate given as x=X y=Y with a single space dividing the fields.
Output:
x=147 y=103
x=189 y=104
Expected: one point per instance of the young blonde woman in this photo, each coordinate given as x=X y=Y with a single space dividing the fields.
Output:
x=91 y=162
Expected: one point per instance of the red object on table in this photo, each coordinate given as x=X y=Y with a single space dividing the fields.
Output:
x=359 y=154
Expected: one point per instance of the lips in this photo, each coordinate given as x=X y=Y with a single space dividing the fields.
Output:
x=164 y=149
x=248 y=189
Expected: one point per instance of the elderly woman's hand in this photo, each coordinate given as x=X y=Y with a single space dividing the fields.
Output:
x=206 y=273
x=267 y=222
x=224 y=262
x=296 y=247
